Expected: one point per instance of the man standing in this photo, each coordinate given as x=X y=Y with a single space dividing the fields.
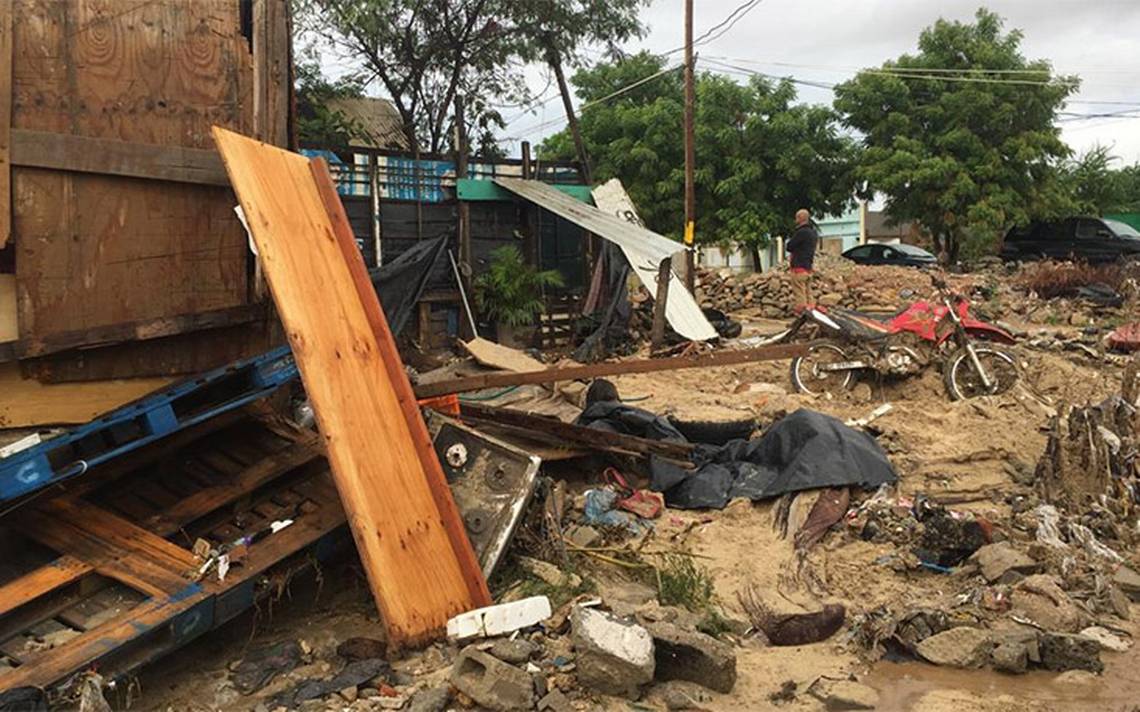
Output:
x=801 y=251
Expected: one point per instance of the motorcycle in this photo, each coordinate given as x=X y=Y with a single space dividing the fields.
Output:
x=904 y=344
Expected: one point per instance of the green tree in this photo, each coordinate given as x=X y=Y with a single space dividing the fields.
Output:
x=424 y=53
x=760 y=156
x=961 y=137
x=1098 y=188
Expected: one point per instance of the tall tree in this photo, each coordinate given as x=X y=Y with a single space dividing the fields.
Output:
x=1099 y=188
x=760 y=156
x=961 y=137
x=425 y=52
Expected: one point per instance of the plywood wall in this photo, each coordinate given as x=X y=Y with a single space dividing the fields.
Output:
x=95 y=249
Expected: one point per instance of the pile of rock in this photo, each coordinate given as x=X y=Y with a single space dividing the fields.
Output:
x=635 y=646
x=836 y=282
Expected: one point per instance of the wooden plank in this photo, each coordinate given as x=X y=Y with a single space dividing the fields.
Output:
x=360 y=393
x=130 y=331
x=182 y=354
x=9 y=331
x=27 y=403
x=45 y=579
x=5 y=131
x=409 y=405
x=598 y=370
x=84 y=154
x=502 y=357
x=207 y=500
x=575 y=434
x=111 y=545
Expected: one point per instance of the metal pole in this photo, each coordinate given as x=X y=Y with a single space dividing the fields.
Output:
x=690 y=150
x=463 y=293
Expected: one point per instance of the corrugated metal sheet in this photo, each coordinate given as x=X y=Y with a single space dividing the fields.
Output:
x=642 y=247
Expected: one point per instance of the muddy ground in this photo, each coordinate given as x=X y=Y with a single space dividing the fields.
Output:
x=965 y=454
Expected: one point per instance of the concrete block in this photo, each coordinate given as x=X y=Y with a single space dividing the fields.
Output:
x=499 y=620
x=614 y=657
x=491 y=682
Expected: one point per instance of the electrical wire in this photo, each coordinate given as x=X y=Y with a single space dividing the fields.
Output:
x=587 y=105
x=733 y=17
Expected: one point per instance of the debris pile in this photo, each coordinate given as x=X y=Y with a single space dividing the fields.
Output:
x=836 y=282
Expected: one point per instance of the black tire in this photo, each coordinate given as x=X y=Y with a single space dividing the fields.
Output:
x=961 y=380
x=713 y=432
x=805 y=379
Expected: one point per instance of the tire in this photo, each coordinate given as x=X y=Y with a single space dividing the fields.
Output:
x=713 y=432
x=806 y=380
x=961 y=380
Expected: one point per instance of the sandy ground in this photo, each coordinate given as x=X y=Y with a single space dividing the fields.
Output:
x=963 y=452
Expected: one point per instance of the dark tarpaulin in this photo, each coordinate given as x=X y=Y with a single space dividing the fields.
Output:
x=802 y=451
x=400 y=283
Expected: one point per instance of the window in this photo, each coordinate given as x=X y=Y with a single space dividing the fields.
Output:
x=1122 y=229
x=1088 y=229
x=860 y=252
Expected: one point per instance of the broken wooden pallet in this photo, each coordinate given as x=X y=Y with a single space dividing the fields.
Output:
x=104 y=575
x=420 y=564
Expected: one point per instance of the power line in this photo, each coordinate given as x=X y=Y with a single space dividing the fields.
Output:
x=928 y=70
x=587 y=105
x=921 y=74
x=733 y=17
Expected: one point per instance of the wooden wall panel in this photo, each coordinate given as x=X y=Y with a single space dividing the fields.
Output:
x=95 y=250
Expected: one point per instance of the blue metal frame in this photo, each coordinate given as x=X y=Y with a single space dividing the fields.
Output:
x=149 y=418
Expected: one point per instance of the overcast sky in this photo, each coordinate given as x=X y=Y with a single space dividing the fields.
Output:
x=1095 y=39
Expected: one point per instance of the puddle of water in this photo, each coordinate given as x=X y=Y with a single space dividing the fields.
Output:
x=1117 y=689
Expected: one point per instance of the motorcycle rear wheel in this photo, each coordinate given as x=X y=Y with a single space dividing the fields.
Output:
x=806 y=377
x=962 y=381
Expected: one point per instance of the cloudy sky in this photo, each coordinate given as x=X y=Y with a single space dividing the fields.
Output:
x=827 y=39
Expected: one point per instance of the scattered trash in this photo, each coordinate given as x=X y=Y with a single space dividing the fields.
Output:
x=260 y=666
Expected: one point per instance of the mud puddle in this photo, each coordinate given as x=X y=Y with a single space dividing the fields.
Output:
x=909 y=686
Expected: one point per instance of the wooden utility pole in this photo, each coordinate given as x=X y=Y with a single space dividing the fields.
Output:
x=555 y=62
x=657 y=335
x=690 y=151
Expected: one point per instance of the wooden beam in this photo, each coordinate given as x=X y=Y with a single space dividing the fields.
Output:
x=420 y=566
x=598 y=370
x=657 y=335
x=129 y=331
x=5 y=123
x=587 y=438
x=84 y=154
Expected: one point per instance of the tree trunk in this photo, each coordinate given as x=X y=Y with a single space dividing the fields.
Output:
x=754 y=251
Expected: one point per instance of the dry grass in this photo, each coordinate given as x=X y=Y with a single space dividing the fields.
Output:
x=1062 y=279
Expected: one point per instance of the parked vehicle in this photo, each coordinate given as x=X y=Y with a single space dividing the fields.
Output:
x=904 y=344
x=1093 y=240
x=894 y=254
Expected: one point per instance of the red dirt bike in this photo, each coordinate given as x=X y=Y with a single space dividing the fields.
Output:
x=904 y=344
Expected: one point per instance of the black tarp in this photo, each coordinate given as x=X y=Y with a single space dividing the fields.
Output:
x=804 y=450
x=400 y=283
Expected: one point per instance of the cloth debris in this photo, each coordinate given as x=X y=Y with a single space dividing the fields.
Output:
x=804 y=450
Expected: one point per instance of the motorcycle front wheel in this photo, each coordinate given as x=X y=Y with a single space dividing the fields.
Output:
x=807 y=378
x=962 y=379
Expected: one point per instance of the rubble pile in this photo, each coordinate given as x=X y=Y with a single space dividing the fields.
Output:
x=836 y=282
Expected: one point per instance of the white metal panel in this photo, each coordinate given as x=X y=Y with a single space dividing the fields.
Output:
x=642 y=247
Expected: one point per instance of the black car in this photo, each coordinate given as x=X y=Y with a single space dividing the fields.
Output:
x=1093 y=240
x=893 y=254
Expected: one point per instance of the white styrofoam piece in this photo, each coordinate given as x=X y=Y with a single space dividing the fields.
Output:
x=500 y=619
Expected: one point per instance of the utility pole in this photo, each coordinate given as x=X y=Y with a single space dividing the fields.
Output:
x=690 y=151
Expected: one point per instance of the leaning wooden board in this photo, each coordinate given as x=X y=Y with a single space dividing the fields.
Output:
x=420 y=565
